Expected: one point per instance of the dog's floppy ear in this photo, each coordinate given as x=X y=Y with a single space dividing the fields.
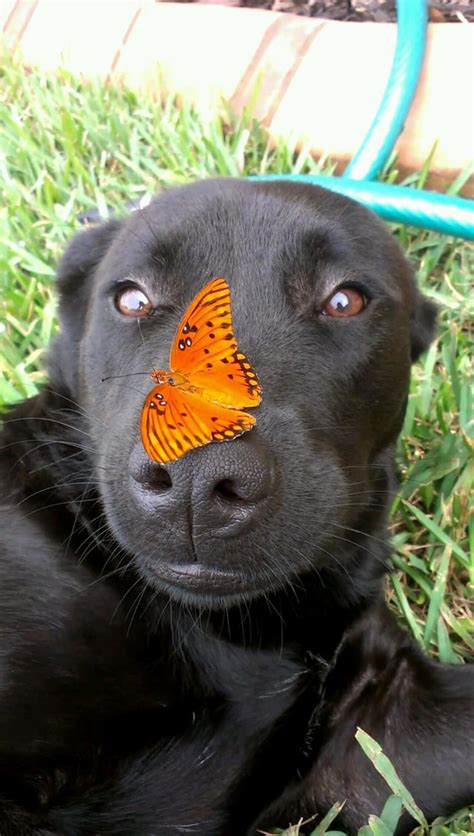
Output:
x=76 y=272
x=423 y=324
x=75 y=276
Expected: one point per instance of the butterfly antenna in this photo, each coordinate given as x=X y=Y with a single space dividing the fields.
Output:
x=115 y=376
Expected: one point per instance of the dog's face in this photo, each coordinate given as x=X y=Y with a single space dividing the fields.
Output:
x=324 y=306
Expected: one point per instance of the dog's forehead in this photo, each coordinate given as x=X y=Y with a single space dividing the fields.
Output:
x=257 y=236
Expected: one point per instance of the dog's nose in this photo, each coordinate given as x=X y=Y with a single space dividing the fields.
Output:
x=223 y=487
x=230 y=483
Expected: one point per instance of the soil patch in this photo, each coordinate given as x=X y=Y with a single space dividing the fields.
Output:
x=375 y=11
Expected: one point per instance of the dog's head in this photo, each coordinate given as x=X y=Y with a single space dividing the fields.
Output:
x=325 y=307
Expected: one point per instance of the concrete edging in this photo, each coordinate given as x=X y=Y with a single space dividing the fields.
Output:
x=320 y=81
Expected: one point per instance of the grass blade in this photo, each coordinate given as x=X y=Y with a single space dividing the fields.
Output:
x=385 y=768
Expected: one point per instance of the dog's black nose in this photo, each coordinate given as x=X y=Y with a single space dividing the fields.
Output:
x=220 y=488
x=230 y=483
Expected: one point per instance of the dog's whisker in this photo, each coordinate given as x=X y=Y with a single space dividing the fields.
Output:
x=123 y=385
x=124 y=596
x=136 y=605
x=47 y=420
x=78 y=513
x=81 y=412
x=56 y=486
x=94 y=539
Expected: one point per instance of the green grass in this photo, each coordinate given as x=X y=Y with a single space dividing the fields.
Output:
x=68 y=146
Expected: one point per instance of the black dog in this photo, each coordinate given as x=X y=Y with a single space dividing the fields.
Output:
x=190 y=648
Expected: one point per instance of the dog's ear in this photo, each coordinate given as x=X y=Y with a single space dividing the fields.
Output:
x=75 y=276
x=423 y=324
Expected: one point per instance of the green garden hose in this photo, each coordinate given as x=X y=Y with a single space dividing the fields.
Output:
x=429 y=210
x=389 y=121
x=416 y=207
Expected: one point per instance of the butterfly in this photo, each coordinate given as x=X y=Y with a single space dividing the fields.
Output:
x=209 y=383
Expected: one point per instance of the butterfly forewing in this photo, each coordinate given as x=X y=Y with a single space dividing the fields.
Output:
x=205 y=350
x=174 y=421
x=211 y=382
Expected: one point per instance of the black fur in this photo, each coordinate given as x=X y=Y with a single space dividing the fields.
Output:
x=140 y=696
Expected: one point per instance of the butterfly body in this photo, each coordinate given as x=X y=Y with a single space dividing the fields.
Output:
x=210 y=381
x=173 y=378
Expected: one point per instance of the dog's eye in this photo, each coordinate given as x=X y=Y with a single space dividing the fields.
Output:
x=133 y=302
x=347 y=301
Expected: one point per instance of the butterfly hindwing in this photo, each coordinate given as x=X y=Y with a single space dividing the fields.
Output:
x=174 y=421
x=205 y=350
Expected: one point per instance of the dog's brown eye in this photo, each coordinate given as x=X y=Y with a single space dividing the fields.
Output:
x=347 y=301
x=133 y=302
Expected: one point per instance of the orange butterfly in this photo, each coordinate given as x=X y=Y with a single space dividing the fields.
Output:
x=208 y=383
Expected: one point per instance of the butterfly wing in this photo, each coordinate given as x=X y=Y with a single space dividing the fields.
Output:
x=205 y=351
x=174 y=421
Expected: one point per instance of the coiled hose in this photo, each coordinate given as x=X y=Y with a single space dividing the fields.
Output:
x=417 y=207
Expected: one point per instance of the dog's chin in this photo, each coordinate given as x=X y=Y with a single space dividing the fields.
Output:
x=200 y=586
x=208 y=575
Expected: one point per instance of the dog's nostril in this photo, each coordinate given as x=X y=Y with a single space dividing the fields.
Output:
x=227 y=491
x=159 y=480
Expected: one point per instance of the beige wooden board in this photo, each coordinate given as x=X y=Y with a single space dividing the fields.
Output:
x=319 y=81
